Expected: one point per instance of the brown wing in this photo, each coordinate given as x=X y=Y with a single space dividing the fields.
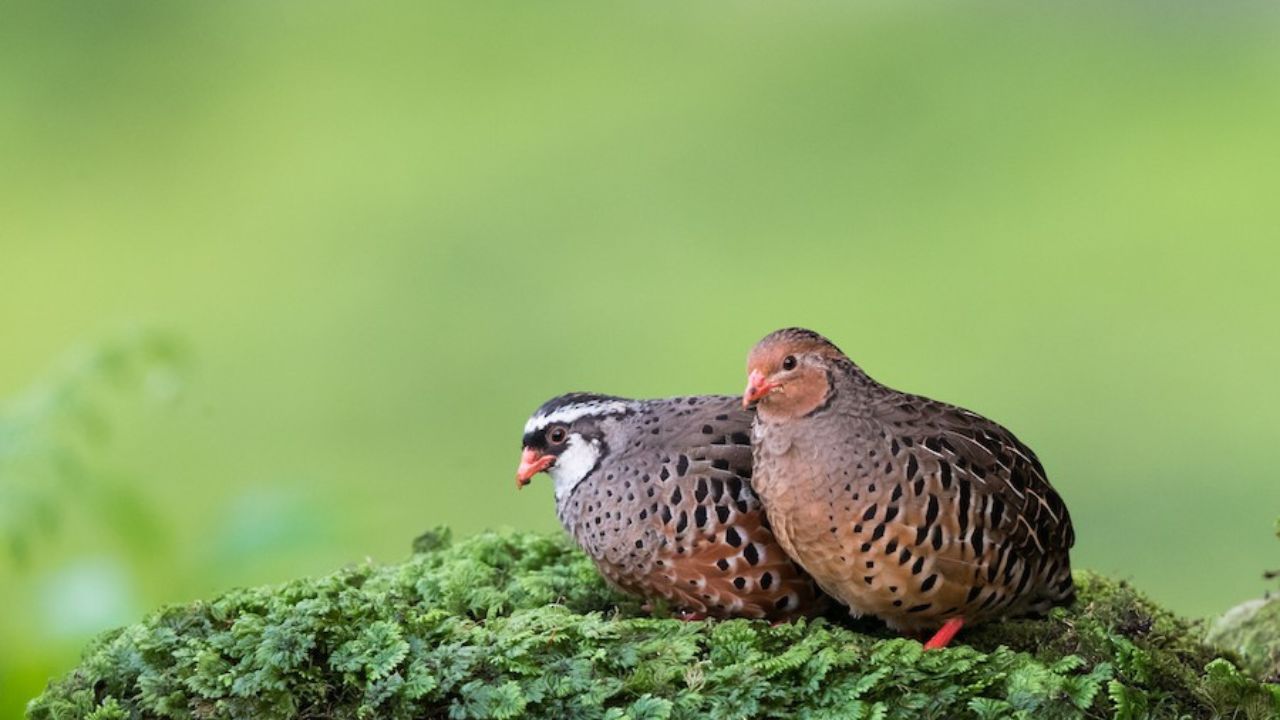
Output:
x=701 y=539
x=983 y=516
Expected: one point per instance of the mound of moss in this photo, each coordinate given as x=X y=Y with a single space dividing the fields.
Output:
x=519 y=625
x=1252 y=630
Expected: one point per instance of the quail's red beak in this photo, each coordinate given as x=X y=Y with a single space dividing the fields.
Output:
x=757 y=387
x=532 y=462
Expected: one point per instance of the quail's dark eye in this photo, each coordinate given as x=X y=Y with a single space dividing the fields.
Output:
x=789 y=362
x=556 y=435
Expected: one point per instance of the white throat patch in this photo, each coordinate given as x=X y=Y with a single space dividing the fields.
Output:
x=573 y=465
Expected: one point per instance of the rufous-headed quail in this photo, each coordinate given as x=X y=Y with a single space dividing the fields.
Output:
x=657 y=493
x=923 y=514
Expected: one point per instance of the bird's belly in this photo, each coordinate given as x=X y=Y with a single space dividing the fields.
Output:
x=847 y=541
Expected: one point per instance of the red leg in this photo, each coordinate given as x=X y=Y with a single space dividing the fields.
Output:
x=687 y=616
x=945 y=634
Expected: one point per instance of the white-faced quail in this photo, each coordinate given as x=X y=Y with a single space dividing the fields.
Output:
x=658 y=493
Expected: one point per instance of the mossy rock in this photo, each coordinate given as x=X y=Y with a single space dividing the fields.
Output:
x=519 y=625
x=1252 y=630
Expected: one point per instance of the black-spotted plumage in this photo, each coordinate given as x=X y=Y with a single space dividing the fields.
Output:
x=658 y=493
x=902 y=507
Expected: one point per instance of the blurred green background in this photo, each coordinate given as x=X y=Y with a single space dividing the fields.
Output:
x=375 y=237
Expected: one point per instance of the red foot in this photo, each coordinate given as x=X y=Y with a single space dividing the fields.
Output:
x=686 y=616
x=945 y=634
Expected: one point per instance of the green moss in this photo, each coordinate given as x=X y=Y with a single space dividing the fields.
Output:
x=1252 y=630
x=520 y=625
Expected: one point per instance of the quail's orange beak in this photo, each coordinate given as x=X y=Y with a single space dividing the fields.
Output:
x=757 y=387
x=532 y=462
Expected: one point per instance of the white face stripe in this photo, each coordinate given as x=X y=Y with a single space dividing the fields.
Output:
x=569 y=413
x=572 y=466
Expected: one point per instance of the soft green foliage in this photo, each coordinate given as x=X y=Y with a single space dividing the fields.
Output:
x=51 y=433
x=520 y=625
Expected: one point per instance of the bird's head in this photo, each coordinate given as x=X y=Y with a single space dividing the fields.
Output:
x=789 y=373
x=568 y=436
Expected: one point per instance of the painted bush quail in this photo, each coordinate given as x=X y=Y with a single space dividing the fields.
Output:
x=917 y=512
x=657 y=493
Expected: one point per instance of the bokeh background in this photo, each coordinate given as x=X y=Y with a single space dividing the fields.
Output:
x=279 y=283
